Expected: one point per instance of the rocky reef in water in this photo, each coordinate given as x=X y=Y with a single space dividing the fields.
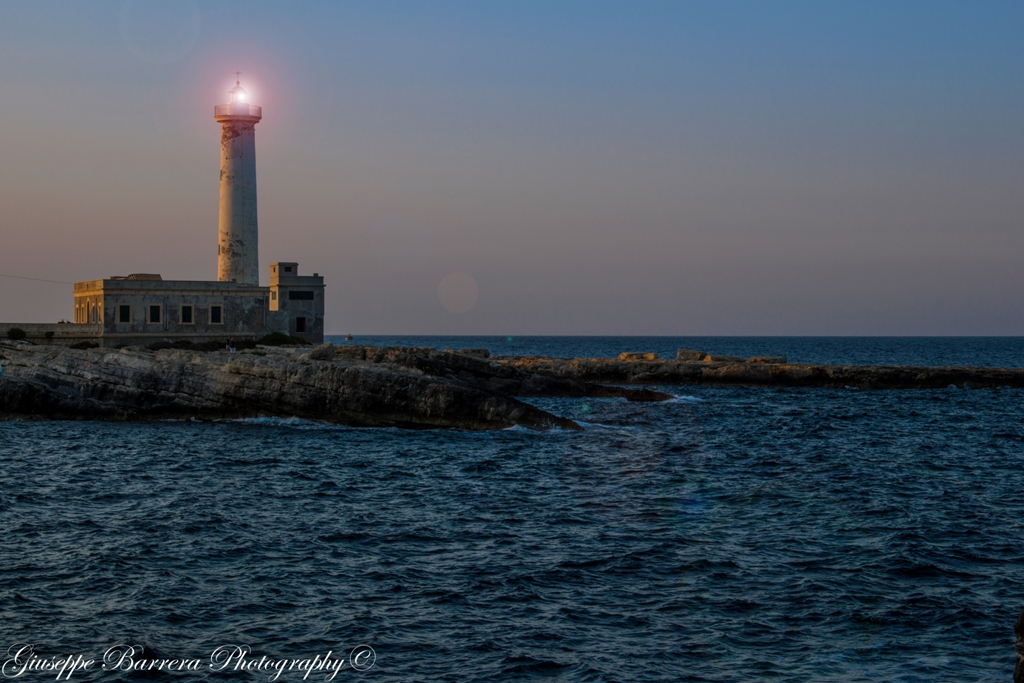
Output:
x=359 y=386
x=696 y=367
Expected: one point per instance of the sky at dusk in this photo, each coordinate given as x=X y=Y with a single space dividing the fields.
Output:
x=620 y=168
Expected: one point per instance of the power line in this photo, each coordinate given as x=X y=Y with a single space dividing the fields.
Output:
x=36 y=279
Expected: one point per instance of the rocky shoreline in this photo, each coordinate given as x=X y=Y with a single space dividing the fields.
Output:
x=395 y=386
x=358 y=386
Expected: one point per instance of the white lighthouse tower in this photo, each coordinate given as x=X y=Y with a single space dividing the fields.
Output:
x=238 y=256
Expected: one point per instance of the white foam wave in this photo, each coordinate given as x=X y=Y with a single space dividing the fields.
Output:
x=293 y=422
x=686 y=399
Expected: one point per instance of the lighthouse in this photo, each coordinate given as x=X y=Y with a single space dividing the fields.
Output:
x=237 y=252
x=143 y=309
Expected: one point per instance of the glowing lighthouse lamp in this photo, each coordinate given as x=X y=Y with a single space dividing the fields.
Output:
x=237 y=253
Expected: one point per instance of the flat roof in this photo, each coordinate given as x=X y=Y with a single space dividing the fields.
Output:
x=165 y=285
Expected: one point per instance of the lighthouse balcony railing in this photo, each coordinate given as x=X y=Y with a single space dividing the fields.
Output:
x=237 y=109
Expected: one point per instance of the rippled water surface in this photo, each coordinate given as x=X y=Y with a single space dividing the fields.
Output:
x=733 y=534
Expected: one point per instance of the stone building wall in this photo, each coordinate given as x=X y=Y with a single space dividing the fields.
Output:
x=218 y=310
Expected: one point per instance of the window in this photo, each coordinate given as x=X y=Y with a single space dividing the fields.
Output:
x=217 y=315
x=156 y=313
x=300 y=324
x=287 y=269
x=300 y=296
x=124 y=313
x=186 y=315
x=273 y=296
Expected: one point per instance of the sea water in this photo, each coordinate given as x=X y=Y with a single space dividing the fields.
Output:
x=730 y=534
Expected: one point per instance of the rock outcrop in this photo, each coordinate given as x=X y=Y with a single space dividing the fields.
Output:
x=488 y=375
x=723 y=359
x=772 y=360
x=691 y=355
x=630 y=355
x=354 y=385
x=56 y=382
